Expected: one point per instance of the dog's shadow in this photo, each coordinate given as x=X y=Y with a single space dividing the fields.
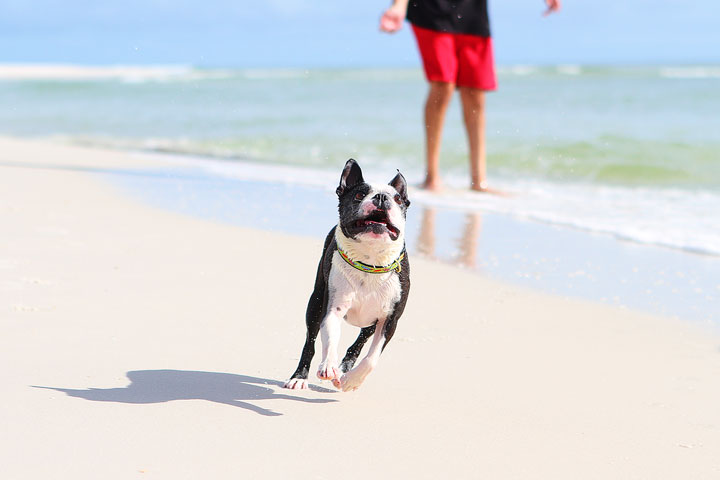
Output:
x=159 y=386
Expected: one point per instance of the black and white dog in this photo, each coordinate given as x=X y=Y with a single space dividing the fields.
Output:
x=363 y=278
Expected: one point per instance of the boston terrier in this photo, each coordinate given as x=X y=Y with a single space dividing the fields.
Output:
x=363 y=278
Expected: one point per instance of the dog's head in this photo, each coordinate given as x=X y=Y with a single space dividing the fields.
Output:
x=371 y=212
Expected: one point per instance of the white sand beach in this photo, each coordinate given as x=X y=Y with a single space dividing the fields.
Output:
x=140 y=343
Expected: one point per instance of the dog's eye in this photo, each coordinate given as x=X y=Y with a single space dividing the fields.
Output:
x=398 y=199
x=359 y=196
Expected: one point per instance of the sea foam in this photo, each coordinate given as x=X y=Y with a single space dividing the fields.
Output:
x=675 y=218
x=126 y=73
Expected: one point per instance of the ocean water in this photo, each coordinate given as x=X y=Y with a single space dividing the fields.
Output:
x=630 y=152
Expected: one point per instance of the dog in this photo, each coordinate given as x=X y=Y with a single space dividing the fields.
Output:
x=363 y=278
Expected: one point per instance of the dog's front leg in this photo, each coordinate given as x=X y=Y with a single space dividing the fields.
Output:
x=330 y=336
x=355 y=377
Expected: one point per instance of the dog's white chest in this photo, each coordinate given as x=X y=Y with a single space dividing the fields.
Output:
x=366 y=297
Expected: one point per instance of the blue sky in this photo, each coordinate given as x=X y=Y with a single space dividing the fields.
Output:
x=323 y=33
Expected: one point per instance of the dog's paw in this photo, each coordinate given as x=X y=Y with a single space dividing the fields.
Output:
x=296 y=384
x=328 y=371
x=350 y=381
x=347 y=365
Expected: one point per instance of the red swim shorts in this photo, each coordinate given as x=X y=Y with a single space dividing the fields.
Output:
x=465 y=60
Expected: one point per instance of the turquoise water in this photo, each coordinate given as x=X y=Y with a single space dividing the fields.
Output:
x=632 y=152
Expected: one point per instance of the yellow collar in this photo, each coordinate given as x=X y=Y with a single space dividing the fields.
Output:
x=364 y=267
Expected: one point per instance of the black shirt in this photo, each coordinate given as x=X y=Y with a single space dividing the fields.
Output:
x=452 y=16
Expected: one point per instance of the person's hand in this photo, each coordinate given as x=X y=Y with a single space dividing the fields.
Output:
x=552 y=6
x=392 y=20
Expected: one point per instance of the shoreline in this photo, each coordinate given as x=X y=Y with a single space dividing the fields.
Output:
x=150 y=342
x=552 y=258
x=454 y=198
x=556 y=259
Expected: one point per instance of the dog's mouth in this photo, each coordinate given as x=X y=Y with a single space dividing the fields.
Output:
x=377 y=222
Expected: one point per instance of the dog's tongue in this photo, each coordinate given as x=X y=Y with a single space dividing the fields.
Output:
x=378 y=222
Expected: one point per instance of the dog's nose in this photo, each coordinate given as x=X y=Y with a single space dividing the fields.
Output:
x=381 y=201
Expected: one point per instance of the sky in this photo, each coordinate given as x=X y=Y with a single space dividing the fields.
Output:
x=324 y=33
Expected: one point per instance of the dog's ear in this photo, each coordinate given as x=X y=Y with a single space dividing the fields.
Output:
x=400 y=185
x=351 y=176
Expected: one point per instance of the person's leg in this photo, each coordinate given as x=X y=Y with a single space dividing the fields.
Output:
x=437 y=50
x=473 y=105
x=436 y=105
x=476 y=75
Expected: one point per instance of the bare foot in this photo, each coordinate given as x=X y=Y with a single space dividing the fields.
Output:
x=483 y=188
x=432 y=185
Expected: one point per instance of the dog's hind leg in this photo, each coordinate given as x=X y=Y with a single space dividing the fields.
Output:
x=354 y=351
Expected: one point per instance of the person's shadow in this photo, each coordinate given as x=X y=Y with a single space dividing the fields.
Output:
x=159 y=386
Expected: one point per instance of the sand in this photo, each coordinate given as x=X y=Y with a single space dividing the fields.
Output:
x=138 y=343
